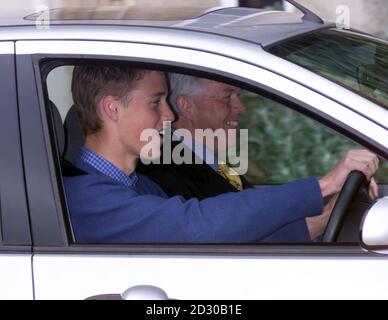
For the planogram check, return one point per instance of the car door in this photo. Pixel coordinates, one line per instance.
(67, 270)
(15, 242)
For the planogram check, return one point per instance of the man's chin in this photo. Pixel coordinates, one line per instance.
(148, 159)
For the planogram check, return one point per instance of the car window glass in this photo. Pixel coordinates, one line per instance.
(58, 86)
(351, 60)
(286, 145)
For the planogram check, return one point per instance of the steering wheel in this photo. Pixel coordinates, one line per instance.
(352, 185)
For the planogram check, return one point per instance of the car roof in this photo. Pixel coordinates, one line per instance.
(260, 26)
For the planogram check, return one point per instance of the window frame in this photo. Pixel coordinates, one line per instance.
(62, 244)
(14, 221)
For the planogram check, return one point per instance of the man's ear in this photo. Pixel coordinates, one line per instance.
(109, 107)
(185, 107)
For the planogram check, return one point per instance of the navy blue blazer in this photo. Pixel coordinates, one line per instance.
(104, 211)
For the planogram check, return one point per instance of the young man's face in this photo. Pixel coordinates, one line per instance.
(147, 109)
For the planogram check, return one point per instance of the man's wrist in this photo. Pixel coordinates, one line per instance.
(325, 187)
(316, 226)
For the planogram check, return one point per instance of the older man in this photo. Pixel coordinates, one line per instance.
(205, 104)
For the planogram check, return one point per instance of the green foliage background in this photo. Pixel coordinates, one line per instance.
(285, 145)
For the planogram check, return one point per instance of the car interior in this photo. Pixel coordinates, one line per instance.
(69, 136)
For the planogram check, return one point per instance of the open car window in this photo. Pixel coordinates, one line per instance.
(282, 144)
(286, 145)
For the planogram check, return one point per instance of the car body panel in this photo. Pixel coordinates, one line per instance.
(16, 276)
(220, 277)
(7, 47)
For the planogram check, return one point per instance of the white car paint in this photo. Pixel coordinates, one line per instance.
(216, 277)
(16, 276)
(7, 47)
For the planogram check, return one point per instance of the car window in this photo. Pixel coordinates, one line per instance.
(285, 145)
(354, 61)
(280, 144)
(58, 86)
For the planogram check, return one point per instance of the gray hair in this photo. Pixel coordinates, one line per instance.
(182, 85)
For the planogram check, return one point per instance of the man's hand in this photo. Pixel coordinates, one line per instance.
(361, 160)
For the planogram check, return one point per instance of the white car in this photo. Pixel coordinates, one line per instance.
(336, 78)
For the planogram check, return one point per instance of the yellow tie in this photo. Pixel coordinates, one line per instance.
(229, 174)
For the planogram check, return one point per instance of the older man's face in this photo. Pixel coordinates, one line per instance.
(217, 106)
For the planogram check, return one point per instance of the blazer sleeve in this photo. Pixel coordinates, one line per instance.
(294, 232)
(103, 211)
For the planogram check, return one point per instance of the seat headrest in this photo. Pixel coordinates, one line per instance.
(58, 127)
(74, 134)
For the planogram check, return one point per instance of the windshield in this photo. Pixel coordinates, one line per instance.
(350, 59)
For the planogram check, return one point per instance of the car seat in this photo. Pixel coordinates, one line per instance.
(69, 138)
(74, 135)
(58, 128)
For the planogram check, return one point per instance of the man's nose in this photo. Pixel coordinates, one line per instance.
(239, 106)
(168, 115)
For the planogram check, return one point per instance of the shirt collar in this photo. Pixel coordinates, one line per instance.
(108, 168)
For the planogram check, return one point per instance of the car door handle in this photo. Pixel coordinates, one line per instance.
(143, 292)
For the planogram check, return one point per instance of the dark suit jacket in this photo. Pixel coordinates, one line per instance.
(189, 180)
(201, 181)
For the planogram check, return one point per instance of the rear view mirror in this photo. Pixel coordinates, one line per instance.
(374, 229)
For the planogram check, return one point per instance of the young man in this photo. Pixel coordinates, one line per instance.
(110, 203)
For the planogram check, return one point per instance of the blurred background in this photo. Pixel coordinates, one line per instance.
(366, 15)
(283, 145)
